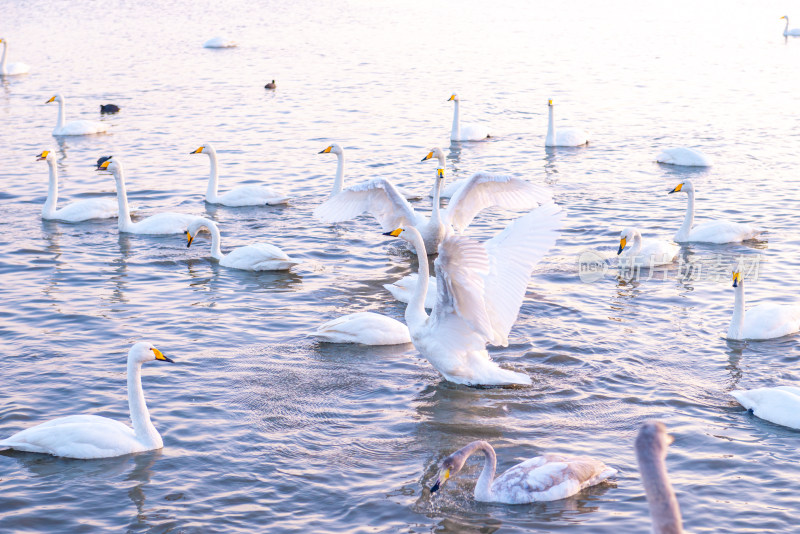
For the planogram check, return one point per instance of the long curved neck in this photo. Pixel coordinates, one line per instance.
(785, 31)
(213, 178)
(338, 183)
(737, 321)
(664, 510)
(688, 220)
(124, 219)
(483, 488)
(456, 129)
(437, 198)
(216, 252)
(551, 127)
(415, 311)
(140, 417)
(5, 49)
(637, 244)
(61, 112)
(52, 190)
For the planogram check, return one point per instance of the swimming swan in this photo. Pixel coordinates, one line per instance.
(74, 127)
(465, 132)
(365, 328)
(779, 405)
(651, 452)
(710, 231)
(654, 252)
(549, 477)
(480, 288)
(258, 257)
(684, 156)
(158, 224)
(220, 42)
(794, 32)
(91, 436)
(563, 136)
(450, 188)
(765, 321)
(80, 210)
(338, 182)
(243, 195)
(11, 69)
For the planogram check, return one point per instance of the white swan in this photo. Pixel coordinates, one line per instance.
(450, 188)
(710, 231)
(80, 210)
(365, 328)
(765, 321)
(563, 136)
(654, 252)
(794, 32)
(403, 289)
(338, 182)
(92, 436)
(258, 257)
(220, 42)
(549, 477)
(480, 288)
(779, 405)
(243, 195)
(465, 132)
(684, 156)
(11, 69)
(80, 127)
(161, 223)
(381, 199)
(651, 453)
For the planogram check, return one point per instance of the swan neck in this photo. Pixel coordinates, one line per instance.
(338, 183)
(437, 197)
(140, 417)
(664, 510)
(551, 127)
(483, 488)
(688, 220)
(637, 244)
(216, 252)
(737, 321)
(785, 31)
(49, 207)
(60, 113)
(415, 311)
(213, 178)
(124, 219)
(3, 59)
(456, 129)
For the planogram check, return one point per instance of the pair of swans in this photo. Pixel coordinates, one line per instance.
(633, 253)
(258, 257)
(765, 321)
(711, 231)
(563, 136)
(80, 127)
(81, 210)
(338, 182)
(11, 69)
(92, 436)
(794, 32)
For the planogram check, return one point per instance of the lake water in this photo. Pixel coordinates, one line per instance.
(266, 430)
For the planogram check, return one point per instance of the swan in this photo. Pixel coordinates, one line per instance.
(710, 231)
(81, 210)
(651, 452)
(765, 321)
(549, 477)
(794, 32)
(11, 69)
(220, 42)
(563, 136)
(779, 405)
(480, 288)
(366, 328)
(684, 156)
(259, 257)
(403, 289)
(243, 195)
(161, 223)
(338, 182)
(91, 436)
(451, 188)
(654, 252)
(382, 200)
(465, 132)
(74, 127)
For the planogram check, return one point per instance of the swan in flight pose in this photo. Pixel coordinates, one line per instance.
(710, 231)
(465, 132)
(80, 210)
(480, 288)
(779, 405)
(563, 136)
(794, 32)
(259, 257)
(243, 195)
(549, 477)
(338, 183)
(449, 189)
(651, 453)
(654, 252)
(220, 42)
(161, 223)
(382, 200)
(80, 127)
(91, 436)
(11, 69)
(366, 328)
(765, 321)
(684, 156)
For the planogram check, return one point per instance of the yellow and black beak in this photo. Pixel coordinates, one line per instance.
(326, 151)
(441, 479)
(452, 97)
(429, 156)
(52, 98)
(189, 239)
(622, 243)
(550, 102)
(677, 188)
(102, 163)
(160, 357)
(737, 278)
(198, 151)
(440, 174)
(43, 155)
(394, 233)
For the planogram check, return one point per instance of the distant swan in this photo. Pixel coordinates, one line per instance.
(710, 231)
(779, 405)
(80, 210)
(80, 127)
(465, 132)
(11, 69)
(765, 321)
(549, 477)
(651, 452)
(653, 252)
(684, 156)
(219, 42)
(365, 328)
(91, 436)
(258, 257)
(242, 195)
(450, 188)
(338, 182)
(563, 136)
(794, 32)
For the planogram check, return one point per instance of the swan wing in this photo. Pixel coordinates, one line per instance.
(378, 196)
(84, 210)
(472, 132)
(366, 328)
(722, 232)
(571, 137)
(163, 223)
(81, 127)
(780, 405)
(258, 257)
(770, 320)
(252, 195)
(13, 69)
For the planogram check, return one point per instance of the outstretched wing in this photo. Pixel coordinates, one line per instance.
(483, 190)
(377, 196)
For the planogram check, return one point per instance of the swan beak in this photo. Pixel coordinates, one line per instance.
(51, 99)
(550, 102)
(737, 277)
(622, 243)
(452, 97)
(189, 239)
(429, 156)
(198, 151)
(677, 188)
(161, 357)
(326, 151)
(394, 233)
(103, 165)
(441, 479)
(42, 156)
(779, 19)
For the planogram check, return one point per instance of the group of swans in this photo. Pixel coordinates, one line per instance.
(11, 69)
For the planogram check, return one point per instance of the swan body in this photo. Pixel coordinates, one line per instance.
(651, 452)
(159, 224)
(765, 321)
(258, 257)
(81, 210)
(338, 182)
(563, 136)
(243, 195)
(81, 127)
(652, 253)
(91, 436)
(794, 32)
(11, 69)
(220, 42)
(403, 289)
(450, 188)
(365, 328)
(465, 132)
(480, 288)
(684, 156)
(779, 405)
(549, 477)
(710, 231)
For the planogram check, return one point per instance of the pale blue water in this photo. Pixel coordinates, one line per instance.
(266, 430)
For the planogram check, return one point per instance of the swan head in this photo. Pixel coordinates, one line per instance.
(207, 148)
(453, 97)
(452, 465)
(684, 187)
(56, 98)
(45, 155)
(145, 352)
(653, 438)
(435, 152)
(626, 236)
(737, 278)
(333, 148)
(782, 18)
(194, 228)
(550, 103)
(107, 163)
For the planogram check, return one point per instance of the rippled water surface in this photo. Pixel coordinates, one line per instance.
(267, 430)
